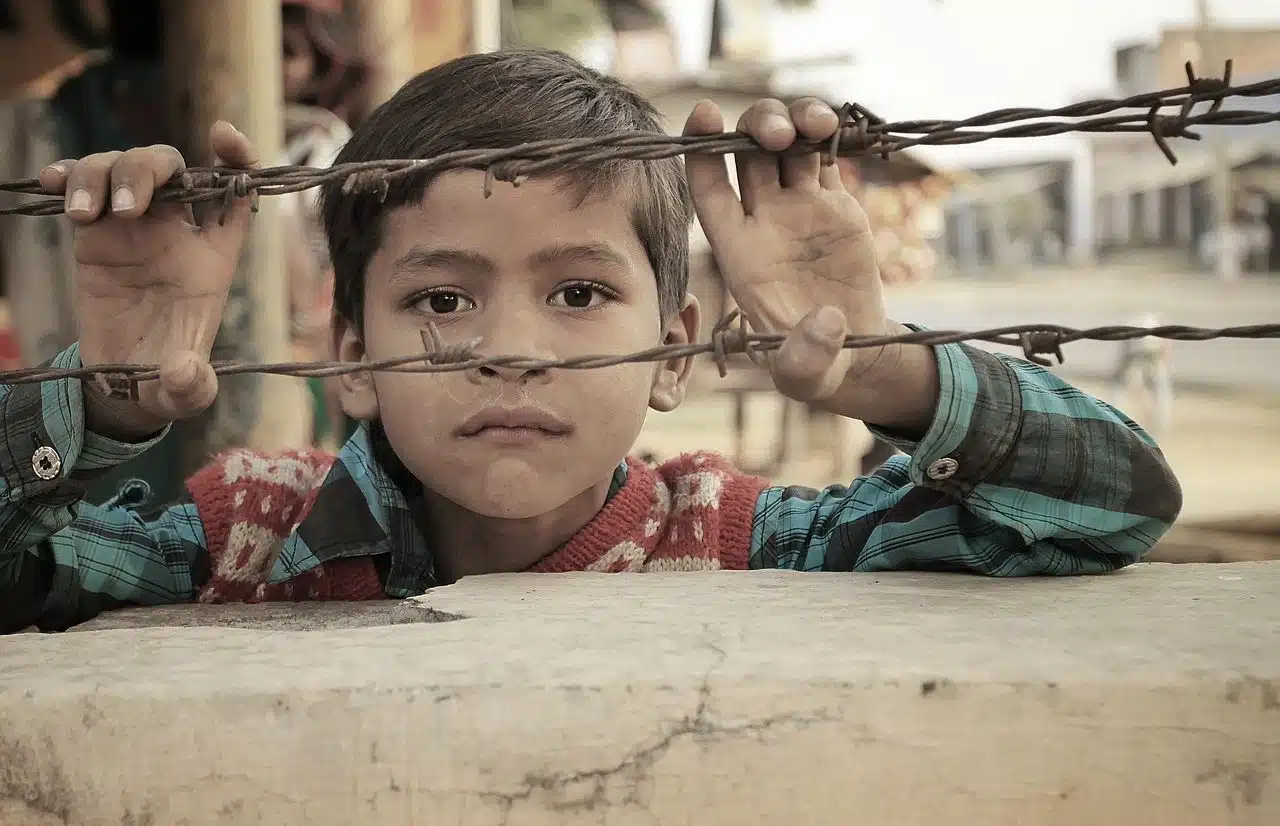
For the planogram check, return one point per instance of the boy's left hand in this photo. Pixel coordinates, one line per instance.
(797, 254)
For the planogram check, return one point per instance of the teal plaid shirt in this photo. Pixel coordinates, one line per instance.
(1043, 480)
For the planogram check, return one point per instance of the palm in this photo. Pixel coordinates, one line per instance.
(157, 284)
(801, 245)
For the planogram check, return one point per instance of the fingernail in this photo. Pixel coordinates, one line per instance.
(777, 123)
(185, 376)
(123, 199)
(80, 201)
(817, 110)
(56, 168)
(828, 322)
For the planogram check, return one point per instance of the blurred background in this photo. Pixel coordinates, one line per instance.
(1074, 229)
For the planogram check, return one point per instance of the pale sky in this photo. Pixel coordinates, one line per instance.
(955, 58)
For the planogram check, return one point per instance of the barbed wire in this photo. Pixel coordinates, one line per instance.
(1035, 340)
(861, 133)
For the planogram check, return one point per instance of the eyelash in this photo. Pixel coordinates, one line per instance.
(417, 298)
(608, 292)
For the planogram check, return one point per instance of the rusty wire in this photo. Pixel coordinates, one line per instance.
(861, 133)
(1035, 340)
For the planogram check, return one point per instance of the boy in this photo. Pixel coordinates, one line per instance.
(1010, 471)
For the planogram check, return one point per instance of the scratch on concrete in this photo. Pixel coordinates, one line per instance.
(1266, 691)
(1241, 782)
(34, 780)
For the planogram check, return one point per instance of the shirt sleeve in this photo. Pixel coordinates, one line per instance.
(1019, 474)
(62, 560)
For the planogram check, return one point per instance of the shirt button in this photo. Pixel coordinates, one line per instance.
(46, 463)
(943, 469)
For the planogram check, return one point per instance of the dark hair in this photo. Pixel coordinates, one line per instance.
(500, 100)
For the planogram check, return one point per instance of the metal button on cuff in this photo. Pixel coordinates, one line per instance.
(46, 463)
(943, 469)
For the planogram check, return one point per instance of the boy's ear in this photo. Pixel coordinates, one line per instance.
(357, 394)
(671, 378)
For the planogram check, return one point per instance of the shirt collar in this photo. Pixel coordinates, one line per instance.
(360, 511)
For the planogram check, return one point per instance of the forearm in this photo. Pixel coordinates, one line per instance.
(1020, 448)
(1018, 474)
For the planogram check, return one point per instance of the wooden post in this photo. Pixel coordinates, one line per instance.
(486, 25)
(223, 62)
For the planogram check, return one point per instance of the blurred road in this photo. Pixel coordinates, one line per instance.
(1090, 299)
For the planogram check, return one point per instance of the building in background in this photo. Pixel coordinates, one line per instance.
(1011, 217)
(1144, 203)
(1115, 197)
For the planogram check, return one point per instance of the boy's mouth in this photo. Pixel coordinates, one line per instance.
(513, 424)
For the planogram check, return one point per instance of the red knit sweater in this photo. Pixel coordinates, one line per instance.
(692, 513)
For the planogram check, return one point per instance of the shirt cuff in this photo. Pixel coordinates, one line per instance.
(975, 427)
(45, 451)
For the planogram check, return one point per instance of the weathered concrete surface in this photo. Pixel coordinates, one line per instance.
(1151, 696)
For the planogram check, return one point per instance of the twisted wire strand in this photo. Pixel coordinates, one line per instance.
(861, 133)
(1037, 341)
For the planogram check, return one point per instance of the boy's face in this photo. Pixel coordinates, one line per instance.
(531, 272)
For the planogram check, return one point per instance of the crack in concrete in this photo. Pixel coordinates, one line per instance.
(634, 768)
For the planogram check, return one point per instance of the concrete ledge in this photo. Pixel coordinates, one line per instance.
(1147, 697)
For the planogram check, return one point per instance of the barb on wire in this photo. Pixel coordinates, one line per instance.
(1035, 340)
(861, 133)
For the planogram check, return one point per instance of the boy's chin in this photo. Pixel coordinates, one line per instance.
(512, 488)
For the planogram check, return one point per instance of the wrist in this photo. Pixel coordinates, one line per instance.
(118, 419)
(895, 387)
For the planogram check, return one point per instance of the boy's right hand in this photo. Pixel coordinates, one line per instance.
(151, 284)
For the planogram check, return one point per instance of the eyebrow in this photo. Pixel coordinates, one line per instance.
(589, 253)
(428, 258)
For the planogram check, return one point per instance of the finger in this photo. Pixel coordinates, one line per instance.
(135, 176)
(767, 122)
(233, 149)
(54, 176)
(714, 200)
(813, 120)
(86, 187)
(806, 365)
(188, 384)
(830, 177)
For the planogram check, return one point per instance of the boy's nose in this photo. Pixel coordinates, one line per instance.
(513, 331)
(515, 375)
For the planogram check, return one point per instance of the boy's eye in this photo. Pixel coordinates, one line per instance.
(580, 296)
(444, 302)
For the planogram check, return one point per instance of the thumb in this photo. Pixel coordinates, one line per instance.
(233, 149)
(188, 385)
(809, 364)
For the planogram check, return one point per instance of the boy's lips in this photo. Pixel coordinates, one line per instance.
(529, 420)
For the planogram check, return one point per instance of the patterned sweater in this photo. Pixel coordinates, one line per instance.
(692, 513)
